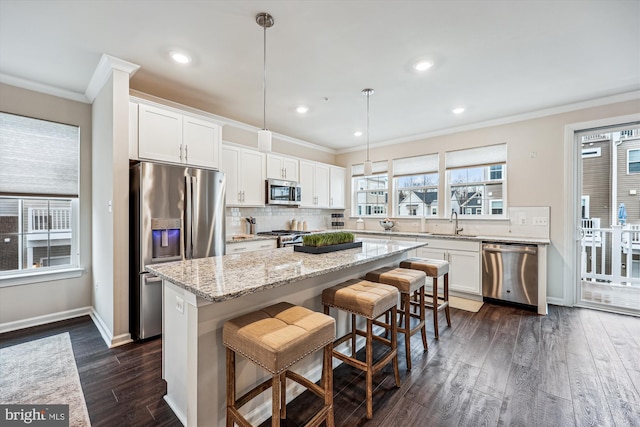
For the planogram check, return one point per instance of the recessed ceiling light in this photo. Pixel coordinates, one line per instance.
(458, 110)
(180, 58)
(357, 133)
(423, 65)
(302, 109)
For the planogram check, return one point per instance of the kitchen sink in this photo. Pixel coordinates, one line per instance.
(453, 236)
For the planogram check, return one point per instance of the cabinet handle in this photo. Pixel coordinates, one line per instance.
(331, 201)
(180, 151)
(283, 173)
(186, 153)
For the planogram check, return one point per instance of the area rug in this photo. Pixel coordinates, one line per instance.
(465, 304)
(43, 372)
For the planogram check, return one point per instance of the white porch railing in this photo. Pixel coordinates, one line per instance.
(48, 219)
(606, 250)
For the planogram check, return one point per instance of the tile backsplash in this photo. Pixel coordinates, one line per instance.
(276, 218)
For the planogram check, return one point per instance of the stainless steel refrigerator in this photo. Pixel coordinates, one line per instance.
(176, 213)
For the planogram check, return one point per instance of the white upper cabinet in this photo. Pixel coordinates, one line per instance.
(282, 167)
(337, 187)
(314, 180)
(201, 142)
(245, 175)
(167, 135)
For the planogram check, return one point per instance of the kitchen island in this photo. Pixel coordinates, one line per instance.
(200, 295)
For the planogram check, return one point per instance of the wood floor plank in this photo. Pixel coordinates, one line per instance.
(554, 374)
(554, 411)
(481, 410)
(493, 374)
(626, 345)
(527, 349)
(573, 331)
(613, 375)
(589, 406)
(521, 395)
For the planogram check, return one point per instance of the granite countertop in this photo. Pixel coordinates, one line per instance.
(248, 238)
(226, 277)
(498, 239)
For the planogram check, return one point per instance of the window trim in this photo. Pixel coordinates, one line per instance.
(45, 275)
(629, 162)
(484, 214)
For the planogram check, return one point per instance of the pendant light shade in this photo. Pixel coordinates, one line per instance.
(368, 165)
(264, 136)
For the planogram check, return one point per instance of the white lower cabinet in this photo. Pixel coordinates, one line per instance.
(254, 245)
(464, 262)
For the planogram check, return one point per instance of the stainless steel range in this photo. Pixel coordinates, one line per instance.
(286, 237)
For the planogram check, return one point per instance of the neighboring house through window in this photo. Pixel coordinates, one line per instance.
(39, 182)
(633, 161)
(370, 193)
(415, 181)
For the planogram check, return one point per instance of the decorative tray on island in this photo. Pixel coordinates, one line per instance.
(323, 243)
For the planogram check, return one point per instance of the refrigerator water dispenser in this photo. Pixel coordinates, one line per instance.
(165, 235)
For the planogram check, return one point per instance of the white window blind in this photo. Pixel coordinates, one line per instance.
(38, 158)
(476, 156)
(378, 168)
(415, 165)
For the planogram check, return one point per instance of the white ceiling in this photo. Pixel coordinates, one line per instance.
(497, 58)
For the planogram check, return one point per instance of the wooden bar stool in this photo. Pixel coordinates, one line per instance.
(434, 268)
(407, 281)
(369, 300)
(275, 338)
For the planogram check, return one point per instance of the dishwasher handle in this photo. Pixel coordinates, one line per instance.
(514, 249)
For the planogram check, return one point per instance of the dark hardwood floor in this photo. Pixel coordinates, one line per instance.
(501, 366)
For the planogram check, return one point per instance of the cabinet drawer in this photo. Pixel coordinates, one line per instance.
(458, 245)
(255, 245)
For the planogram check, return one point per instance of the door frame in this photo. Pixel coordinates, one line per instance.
(572, 205)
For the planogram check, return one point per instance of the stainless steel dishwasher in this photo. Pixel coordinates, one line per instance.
(510, 273)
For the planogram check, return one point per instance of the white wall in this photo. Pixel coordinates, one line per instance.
(110, 209)
(532, 180)
(52, 300)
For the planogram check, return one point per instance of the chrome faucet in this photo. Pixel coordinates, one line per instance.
(456, 229)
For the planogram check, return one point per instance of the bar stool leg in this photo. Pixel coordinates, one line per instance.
(283, 395)
(231, 386)
(435, 307)
(423, 317)
(406, 329)
(394, 344)
(369, 361)
(446, 298)
(275, 401)
(327, 382)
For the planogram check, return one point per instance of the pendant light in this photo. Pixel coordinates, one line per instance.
(264, 136)
(368, 166)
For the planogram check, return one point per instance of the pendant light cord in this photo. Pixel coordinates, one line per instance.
(264, 81)
(368, 126)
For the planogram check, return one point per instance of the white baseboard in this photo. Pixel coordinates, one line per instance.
(42, 320)
(557, 301)
(107, 336)
(176, 411)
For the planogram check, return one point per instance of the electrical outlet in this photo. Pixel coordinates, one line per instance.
(179, 304)
(540, 220)
(522, 219)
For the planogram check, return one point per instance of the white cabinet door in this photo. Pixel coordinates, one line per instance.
(252, 178)
(201, 142)
(464, 271)
(290, 166)
(275, 167)
(431, 253)
(159, 134)
(230, 166)
(307, 172)
(337, 187)
(321, 185)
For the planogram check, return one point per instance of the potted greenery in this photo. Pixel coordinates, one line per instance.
(322, 243)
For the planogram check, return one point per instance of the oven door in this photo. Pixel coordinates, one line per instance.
(282, 192)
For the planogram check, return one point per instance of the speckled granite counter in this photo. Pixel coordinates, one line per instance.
(231, 276)
(500, 239)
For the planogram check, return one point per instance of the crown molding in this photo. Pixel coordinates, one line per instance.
(614, 99)
(43, 88)
(226, 121)
(104, 70)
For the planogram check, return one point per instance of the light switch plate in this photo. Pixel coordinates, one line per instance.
(179, 304)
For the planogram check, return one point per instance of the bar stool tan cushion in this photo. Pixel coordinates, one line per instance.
(432, 267)
(362, 297)
(404, 279)
(278, 336)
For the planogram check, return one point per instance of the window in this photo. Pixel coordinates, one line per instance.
(370, 193)
(39, 171)
(415, 181)
(633, 161)
(476, 180)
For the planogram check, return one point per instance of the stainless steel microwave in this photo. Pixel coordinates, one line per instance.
(281, 192)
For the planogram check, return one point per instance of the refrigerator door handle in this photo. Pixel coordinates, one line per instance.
(188, 242)
(193, 230)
